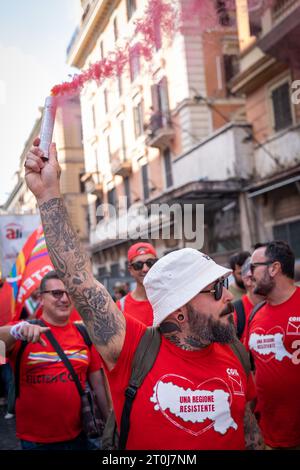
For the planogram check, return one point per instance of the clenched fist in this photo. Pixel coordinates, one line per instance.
(42, 177)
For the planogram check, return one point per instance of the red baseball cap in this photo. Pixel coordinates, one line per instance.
(140, 249)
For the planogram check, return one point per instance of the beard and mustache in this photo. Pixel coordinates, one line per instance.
(264, 286)
(210, 330)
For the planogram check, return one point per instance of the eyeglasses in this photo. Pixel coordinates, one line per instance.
(57, 293)
(217, 289)
(262, 263)
(138, 265)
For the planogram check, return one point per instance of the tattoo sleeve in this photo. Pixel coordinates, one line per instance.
(253, 436)
(106, 325)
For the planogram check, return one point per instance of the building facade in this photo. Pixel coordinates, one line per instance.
(269, 70)
(167, 131)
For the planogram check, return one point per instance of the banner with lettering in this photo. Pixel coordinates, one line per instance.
(14, 231)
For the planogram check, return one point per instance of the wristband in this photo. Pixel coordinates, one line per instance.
(16, 332)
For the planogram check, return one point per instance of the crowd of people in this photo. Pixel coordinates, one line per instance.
(199, 392)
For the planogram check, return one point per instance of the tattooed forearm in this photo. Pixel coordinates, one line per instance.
(253, 436)
(73, 266)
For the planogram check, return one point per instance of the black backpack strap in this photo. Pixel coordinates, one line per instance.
(241, 353)
(255, 310)
(19, 358)
(143, 361)
(18, 367)
(241, 317)
(83, 331)
(56, 346)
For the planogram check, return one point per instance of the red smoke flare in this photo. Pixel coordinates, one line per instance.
(161, 19)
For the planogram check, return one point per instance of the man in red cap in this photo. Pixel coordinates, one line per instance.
(141, 257)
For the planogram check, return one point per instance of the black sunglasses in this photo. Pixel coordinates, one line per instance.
(56, 293)
(217, 289)
(262, 263)
(138, 265)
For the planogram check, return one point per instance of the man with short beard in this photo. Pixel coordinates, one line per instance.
(196, 396)
(274, 341)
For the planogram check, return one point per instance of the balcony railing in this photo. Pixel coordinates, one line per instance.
(226, 154)
(283, 8)
(283, 149)
(93, 183)
(119, 165)
(159, 130)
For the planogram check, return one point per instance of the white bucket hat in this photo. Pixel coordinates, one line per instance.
(177, 277)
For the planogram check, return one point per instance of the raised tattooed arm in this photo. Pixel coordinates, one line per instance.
(253, 436)
(105, 323)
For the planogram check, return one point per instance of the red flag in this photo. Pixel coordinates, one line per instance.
(37, 265)
(6, 312)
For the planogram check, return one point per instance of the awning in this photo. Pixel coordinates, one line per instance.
(273, 186)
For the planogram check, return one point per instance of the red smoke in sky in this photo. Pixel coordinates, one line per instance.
(161, 20)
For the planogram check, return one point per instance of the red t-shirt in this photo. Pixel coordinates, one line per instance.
(274, 341)
(48, 409)
(189, 400)
(141, 310)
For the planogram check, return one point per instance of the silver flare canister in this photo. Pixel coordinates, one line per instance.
(47, 125)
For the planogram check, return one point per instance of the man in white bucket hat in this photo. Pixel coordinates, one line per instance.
(196, 394)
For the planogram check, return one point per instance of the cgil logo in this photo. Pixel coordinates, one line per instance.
(233, 372)
(13, 231)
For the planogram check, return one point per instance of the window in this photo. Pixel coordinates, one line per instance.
(127, 273)
(94, 117)
(157, 36)
(115, 270)
(101, 50)
(127, 191)
(134, 64)
(160, 104)
(290, 233)
(145, 182)
(108, 147)
(111, 197)
(131, 7)
(81, 183)
(222, 12)
(138, 116)
(120, 86)
(123, 140)
(282, 106)
(116, 31)
(105, 100)
(168, 167)
(102, 272)
(99, 215)
(231, 66)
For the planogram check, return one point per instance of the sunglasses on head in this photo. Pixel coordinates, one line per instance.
(138, 265)
(56, 293)
(217, 289)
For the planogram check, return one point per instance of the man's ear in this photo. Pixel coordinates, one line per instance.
(180, 314)
(275, 268)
